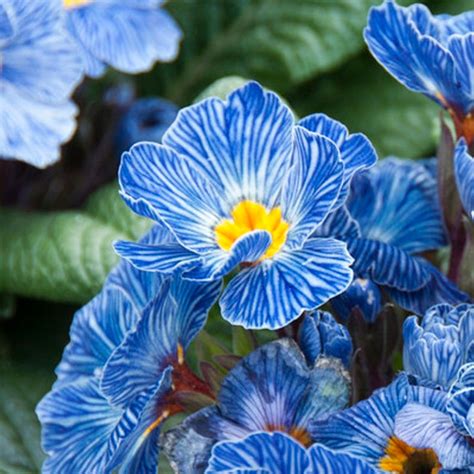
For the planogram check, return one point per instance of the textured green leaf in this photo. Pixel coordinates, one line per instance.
(107, 206)
(367, 99)
(242, 341)
(58, 256)
(277, 42)
(20, 390)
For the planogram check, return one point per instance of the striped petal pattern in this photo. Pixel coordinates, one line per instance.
(461, 400)
(464, 173)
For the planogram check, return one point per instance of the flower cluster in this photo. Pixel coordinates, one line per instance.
(271, 219)
(83, 36)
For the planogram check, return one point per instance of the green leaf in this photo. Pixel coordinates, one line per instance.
(243, 341)
(277, 42)
(221, 88)
(20, 391)
(107, 206)
(367, 99)
(62, 256)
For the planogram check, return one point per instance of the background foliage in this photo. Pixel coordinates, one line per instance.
(310, 51)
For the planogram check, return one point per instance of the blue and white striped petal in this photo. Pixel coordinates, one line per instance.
(130, 37)
(339, 224)
(424, 427)
(416, 59)
(460, 404)
(357, 153)
(172, 319)
(276, 291)
(396, 202)
(242, 145)
(277, 453)
(171, 186)
(464, 173)
(7, 23)
(312, 186)
(97, 329)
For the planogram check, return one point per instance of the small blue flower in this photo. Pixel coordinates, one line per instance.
(146, 120)
(436, 347)
(272, 389)
(461, 401)
(90, 424)
(399, 429)
(396, 213)
(129, 35)
(277, 453)
(428, 54)
(236, 182)
(464, 173)
(320, 334)
(35, 108)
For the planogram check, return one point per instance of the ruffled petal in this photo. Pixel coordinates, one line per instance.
(357, 153)
(242, 145)
(464, 173)
(338, 224)
(312, 186)
(460, 404)
(173, 318)
(189, 205)
(426, 428)
(275, 292)
(130, 38)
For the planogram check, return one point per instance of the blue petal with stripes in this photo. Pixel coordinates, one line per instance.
(129, 36)
(218, 155)
(357, 153)
(425, 52)
(320, 334)
(35, 106)
(277, 453)
(436, 346)
(460, 404)
(172, 319)
(464, 173)
(366, 429)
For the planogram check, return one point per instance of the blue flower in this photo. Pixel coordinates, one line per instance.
(129, 35)
(320, 334)
(460, 404)
(436, 347)
(272, 389)
(37, 114)
(464, 173)
(428, 54)
(90, 425)
(277, 453)
(399, 429)
(145, 120)
(237, 182)
(396, 213)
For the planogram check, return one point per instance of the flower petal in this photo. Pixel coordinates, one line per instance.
(424, 427)
(242, 145)
(464, 173)
(312, 186)
(460, 404)
(339, 224)
(275, 292)
(189, 206)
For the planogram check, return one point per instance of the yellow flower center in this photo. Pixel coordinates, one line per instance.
(69, 4)
(298, 433)
(402, 458)
(248, 216)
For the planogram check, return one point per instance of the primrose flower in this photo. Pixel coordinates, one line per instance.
(236, 182)
(399, 429)
(464, 174)
(437, 346)
(129, 35)
(396, 213)
(461, 401)
(278, 453)
(428, 54)
(273, 390)
(320, 334)
(91, 425)
(36, 112)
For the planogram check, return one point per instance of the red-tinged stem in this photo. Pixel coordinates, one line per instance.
(185, 380)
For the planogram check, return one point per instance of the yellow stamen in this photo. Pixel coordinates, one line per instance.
(180, 352)
(156, 423)
(248, 216)
(401, 458)
(69, 4)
